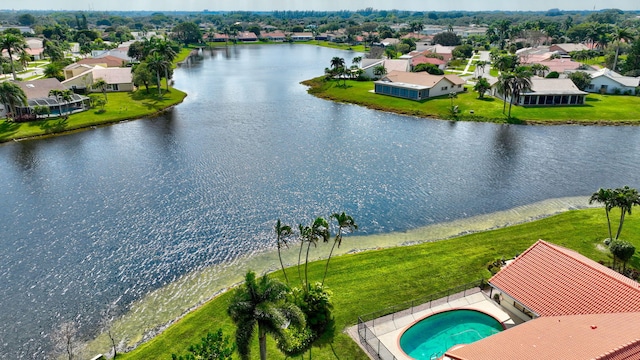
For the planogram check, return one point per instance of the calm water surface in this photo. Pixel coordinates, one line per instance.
(107, 215)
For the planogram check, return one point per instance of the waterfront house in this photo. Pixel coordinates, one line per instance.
(37, 92)
(610, 82)
(117, 79)
(574, 308)
(275, 36)
(550, 92)
(418, 86)
(247, 36)
(302, 36)
(369, 65)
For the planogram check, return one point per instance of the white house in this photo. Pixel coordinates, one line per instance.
(368, 66)
(610, 82)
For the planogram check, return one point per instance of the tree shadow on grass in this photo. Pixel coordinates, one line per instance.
(53, 126)
(7, 129)
(151, 101)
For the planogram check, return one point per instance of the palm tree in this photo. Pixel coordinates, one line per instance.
(57, 94)
(261, 303)
(625, 198)
(12, 43)
(319, 230)
(345, 222)
(539, 69)
(157, 63)
(282, 233)
(102, 86)
(11, 95)
(379, 70)
(356, 60)
(337, 62)
(164, 48)
(504, 88)
(620, 34)
(520, 82)
(481, 86)
(24, 59)
(606, 197)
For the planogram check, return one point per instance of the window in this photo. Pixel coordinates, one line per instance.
(444, 88)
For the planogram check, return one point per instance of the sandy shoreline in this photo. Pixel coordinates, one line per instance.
(163, 307)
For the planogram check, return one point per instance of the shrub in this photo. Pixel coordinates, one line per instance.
(553, 75)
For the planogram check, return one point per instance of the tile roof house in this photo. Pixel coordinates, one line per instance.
(37, 92)
(580, 310)
(566, 48)
(106, 61)
(418, 86)
(610, 82)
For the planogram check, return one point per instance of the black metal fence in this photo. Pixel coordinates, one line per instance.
(367, 336)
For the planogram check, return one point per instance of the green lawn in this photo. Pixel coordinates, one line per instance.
(611, 109)
(120, 106)
(374, 280)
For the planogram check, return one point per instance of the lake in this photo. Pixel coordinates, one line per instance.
(103, 217)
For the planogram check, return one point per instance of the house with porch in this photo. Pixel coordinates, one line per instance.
(418, 86)
(574, 308)
(37, 92)
(552, 92)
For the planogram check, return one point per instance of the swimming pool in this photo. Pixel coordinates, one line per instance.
(430, 337)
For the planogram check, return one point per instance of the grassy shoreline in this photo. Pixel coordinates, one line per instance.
(598, 109)
(120, 107)
(373, 279)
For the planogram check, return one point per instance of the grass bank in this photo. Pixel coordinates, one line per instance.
(373, 280)
(598, 109)
(120, 106)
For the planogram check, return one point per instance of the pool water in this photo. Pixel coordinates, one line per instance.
(432, 336)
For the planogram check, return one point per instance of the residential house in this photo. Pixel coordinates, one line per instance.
(105, 61)
(565, 49)
(610, 82)
(117, 79)
(369, 65)
(218, 38)
(275, 36)
(421, 59)
(120, 53)
(547, 92)
(37, 92)
(390, 42)
(575, 309)
(418, 86)
(247, 36)
(302, 36)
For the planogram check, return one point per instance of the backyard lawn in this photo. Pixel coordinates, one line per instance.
(374, 280)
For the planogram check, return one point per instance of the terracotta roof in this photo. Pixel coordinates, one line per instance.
(109, 60)
(574, 337)
(551, 280)
(421, 59)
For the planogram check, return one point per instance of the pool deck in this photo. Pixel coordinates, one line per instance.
(389, 328)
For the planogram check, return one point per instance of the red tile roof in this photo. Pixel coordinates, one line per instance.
(551, 280)
(574, 337)
(109, 60)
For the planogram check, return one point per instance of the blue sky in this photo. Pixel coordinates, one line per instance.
(266, 5)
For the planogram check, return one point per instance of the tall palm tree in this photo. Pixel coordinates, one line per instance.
(520, 82)
(261, 303)
(625, 198)
(618, 35)
(539, 69)
(606, 197)
(504, 88)
(345, 222)
(12, 43)
(57, 94)
(282, 233)
(310, 235)
(157, 63)
(164, 48)
(11, 95)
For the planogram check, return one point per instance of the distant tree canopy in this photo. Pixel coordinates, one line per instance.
(429, 68)
(447, 38)
(26, 19)
(187, 33)
(581, 79)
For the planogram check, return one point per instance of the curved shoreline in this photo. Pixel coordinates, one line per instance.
(163, 307)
